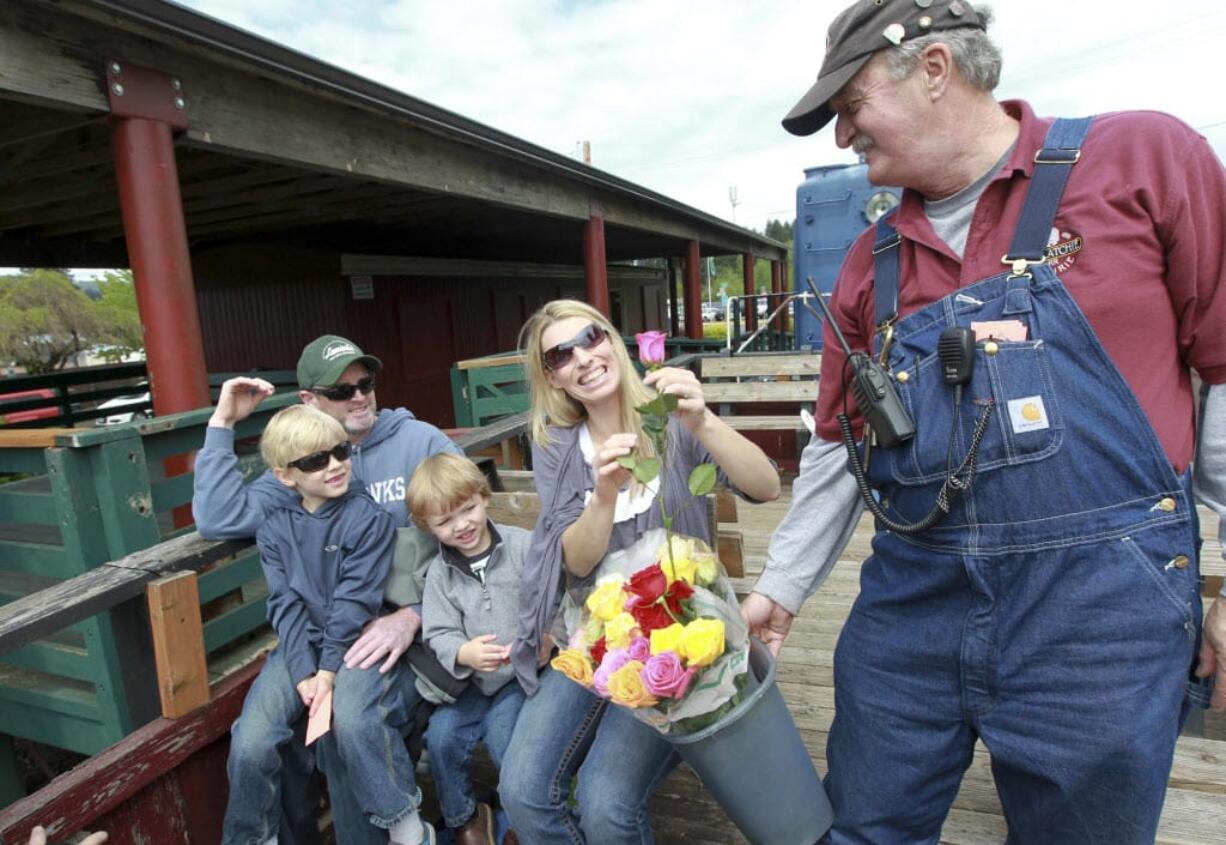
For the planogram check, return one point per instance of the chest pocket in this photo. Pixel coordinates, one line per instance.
(1026, 424)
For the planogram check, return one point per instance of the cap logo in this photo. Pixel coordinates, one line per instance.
(894, 33)
(336, 349)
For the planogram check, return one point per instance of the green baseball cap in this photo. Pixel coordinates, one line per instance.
(325, 358)
(860, 31)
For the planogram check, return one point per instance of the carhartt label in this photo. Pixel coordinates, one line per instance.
(1027, 414)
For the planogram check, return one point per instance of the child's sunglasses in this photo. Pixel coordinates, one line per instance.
(344, 392)
(559, 356)
(316, 461)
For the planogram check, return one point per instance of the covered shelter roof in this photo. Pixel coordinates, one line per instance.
(281, 147)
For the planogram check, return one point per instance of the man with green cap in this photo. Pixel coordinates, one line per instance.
(1033, 583)
(335, 376)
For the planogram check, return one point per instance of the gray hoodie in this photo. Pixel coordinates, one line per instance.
(225, 508)
(458, 607)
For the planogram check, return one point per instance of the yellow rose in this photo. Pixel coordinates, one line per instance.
(665, 639)
(618, 629)
(708, 569)
(682, 568)
(701, 642)
(626, 687)
(575, 665)
(607, 599)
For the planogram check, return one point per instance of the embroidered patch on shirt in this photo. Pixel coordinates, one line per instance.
(1027, 414)
(1062, 249)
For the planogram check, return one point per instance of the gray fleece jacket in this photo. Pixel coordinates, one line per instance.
(457, 607)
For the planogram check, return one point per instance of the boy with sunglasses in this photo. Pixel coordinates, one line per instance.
(326, 557)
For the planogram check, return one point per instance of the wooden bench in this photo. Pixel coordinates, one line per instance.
(760, 379)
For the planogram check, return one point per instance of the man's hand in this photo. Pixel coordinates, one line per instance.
(483, 654)
(385, 636)
(1213, 651)
(38, 836)
(768, 620)
(239, 397)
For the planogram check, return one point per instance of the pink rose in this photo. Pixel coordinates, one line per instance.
(613, 660)
(651, 348)
(664, 677)
(640, 649)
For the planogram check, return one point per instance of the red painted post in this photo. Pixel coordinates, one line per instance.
(157, 252)
(146, 107)
(693, 291)
(595, 268)
(751, 304)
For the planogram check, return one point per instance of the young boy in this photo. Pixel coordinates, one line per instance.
(326, 557)
(469, 612)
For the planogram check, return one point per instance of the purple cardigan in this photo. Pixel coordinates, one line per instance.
(563, 478)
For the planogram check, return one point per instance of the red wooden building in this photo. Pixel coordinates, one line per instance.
(262, 198)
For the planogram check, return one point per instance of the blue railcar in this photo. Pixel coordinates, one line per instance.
(833, 205)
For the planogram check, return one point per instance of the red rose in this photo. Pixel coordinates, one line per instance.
(648, 584)
(651, 617)
(598, 650)
(678, 591)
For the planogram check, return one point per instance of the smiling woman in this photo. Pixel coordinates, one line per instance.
(585, 392)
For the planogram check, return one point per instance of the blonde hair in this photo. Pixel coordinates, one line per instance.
(554, 406)
(296, 432)
(440, 483)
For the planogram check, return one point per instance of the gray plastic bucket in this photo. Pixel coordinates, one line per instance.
(755, 765)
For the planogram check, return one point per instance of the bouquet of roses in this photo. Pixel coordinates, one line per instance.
(665, 638)
(661, 632)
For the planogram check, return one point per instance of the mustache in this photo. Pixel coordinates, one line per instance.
(862, 144)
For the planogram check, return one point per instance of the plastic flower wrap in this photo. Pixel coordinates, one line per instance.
(660, 634)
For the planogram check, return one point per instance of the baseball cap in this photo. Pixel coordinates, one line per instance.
(860, 31)
(326, 357)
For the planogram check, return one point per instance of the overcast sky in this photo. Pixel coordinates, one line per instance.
(686, 97)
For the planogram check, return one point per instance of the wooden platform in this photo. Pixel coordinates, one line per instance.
(1195, 812)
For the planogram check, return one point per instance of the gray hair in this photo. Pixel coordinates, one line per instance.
(977, 58)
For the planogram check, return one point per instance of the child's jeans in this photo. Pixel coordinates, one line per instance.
(367, 738)
(453, 733)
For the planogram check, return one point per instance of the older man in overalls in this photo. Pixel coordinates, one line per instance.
(1053, 609)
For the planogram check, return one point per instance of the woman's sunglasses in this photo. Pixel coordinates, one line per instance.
(344, 392)
(316, 461)
(559, 356)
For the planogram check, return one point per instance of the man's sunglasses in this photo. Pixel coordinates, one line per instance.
(316, 461)
(344, 392)
(559, 356)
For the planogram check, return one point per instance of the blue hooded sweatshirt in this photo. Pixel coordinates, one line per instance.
(325, 573)
(227, 509)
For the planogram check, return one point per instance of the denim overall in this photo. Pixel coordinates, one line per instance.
(1054, 612)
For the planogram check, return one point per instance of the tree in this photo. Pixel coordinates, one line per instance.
(46, 321)
(120, 316)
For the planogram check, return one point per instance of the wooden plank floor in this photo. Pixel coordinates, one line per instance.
(1195, 812)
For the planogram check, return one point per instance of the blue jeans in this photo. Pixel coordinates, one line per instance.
(564, 730)
(453, 733)
(368, 711)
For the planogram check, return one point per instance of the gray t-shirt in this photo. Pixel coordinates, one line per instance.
(951, 217)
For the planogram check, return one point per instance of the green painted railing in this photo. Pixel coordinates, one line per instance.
(86, 497)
